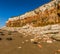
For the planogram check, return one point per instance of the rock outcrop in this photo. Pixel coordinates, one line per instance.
(46, 14)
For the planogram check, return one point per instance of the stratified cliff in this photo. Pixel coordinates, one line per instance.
(46, 14)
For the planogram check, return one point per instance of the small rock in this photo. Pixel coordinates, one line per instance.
(32, 40)
(9, 38)
(26, 40)
(2, 34)
(35, 42)
(40, 46)
(54, 40)
(39, 42)
(0, 38)
(58, 50)
(44, 39)
(22, 42)
(49, 41)
(20, 47)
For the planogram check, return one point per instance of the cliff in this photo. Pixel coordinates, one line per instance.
(44, 15)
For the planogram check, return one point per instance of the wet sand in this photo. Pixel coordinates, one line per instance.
(20, 45)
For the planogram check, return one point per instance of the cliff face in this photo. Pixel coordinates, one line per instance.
(47, 14)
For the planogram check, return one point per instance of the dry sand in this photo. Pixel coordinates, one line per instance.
(22, 45)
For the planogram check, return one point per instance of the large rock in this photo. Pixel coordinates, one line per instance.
(56, 37)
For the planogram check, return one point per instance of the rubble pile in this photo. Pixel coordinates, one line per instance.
(46, 34)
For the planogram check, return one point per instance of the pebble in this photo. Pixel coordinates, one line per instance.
(44, 39)
(9, 38)
(40, 46)
(22, 42)
(58, 50)
(54, 40)
(49, 41)
(32, 40)
(20, 47)
(26, 40)
(0, 38)
(35, 42)
(39, 42)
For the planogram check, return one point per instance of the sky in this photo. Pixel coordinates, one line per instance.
(9, 8)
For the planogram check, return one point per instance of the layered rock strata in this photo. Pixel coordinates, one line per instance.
(44, 15)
